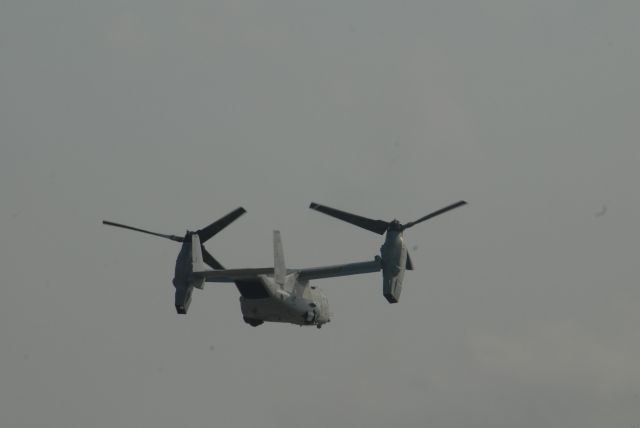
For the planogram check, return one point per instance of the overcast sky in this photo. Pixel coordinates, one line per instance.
(522, 310)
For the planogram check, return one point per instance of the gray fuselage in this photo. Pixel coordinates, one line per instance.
(293, 302)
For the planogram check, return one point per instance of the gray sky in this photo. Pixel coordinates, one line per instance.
(523, 308)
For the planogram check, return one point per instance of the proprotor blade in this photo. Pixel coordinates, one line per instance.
(206, 233)
(375, 226)
(435, 213)
(208, 259)
(172, 237)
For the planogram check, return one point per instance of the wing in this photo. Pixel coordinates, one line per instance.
(340, 270)
(233, 275)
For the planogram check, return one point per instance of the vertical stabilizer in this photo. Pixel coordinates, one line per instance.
(280, 271)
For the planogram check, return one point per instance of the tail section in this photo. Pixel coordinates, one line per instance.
(280, 270)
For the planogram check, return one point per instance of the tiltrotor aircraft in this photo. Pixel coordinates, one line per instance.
(278, 294)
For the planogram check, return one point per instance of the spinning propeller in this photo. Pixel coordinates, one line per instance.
(205, 234)
(380, 226)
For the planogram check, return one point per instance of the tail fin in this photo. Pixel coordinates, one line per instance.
(197, 263)
(280, 270)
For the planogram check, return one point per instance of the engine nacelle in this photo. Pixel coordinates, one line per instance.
(392, 287)
(394, 261)
(183, 299)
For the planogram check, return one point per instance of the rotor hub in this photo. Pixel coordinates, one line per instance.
(395, 225)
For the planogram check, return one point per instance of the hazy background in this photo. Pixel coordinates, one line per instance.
(523, 310)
